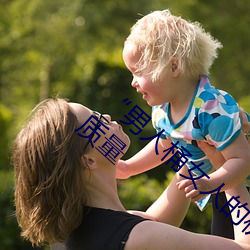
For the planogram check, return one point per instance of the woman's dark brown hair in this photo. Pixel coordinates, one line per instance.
(49, 182)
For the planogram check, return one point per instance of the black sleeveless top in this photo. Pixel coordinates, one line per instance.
(102, 229)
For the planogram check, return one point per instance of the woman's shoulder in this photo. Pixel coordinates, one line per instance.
(110, 227)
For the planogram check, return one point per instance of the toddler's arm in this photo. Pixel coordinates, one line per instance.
(144, 160)
(237, 166)
(234, 171)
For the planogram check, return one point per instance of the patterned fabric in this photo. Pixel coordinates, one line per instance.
(213, 115)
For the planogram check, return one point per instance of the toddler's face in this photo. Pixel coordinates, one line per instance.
(152, 92)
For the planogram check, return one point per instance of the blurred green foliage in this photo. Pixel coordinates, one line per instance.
(139, 192)
(73, 48)
(9, 231)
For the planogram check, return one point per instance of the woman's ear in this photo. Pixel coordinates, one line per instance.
(89, 161)
(175, 66)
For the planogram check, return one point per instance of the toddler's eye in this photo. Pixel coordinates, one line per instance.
(138, 73)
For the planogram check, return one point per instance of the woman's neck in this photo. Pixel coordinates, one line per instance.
(102, 189)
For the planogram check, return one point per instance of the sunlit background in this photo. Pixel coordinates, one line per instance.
(72, 48)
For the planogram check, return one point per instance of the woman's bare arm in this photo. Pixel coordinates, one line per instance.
(160, 236)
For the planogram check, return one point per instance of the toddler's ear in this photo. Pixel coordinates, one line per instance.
(175, 66)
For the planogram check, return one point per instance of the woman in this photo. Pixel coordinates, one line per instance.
(65, 190)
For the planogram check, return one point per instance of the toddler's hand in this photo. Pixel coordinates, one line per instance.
(194, 194)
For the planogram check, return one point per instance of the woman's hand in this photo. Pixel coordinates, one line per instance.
(245, 124)
(214, 156)
(216, 159)
(122, 170)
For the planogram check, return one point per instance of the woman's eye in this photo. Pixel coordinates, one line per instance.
(105, 121)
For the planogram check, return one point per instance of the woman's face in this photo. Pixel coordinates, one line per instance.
(108, 133)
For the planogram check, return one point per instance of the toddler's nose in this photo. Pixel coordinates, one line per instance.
(134, 83)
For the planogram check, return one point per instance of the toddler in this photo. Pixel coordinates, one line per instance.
(170, 59)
